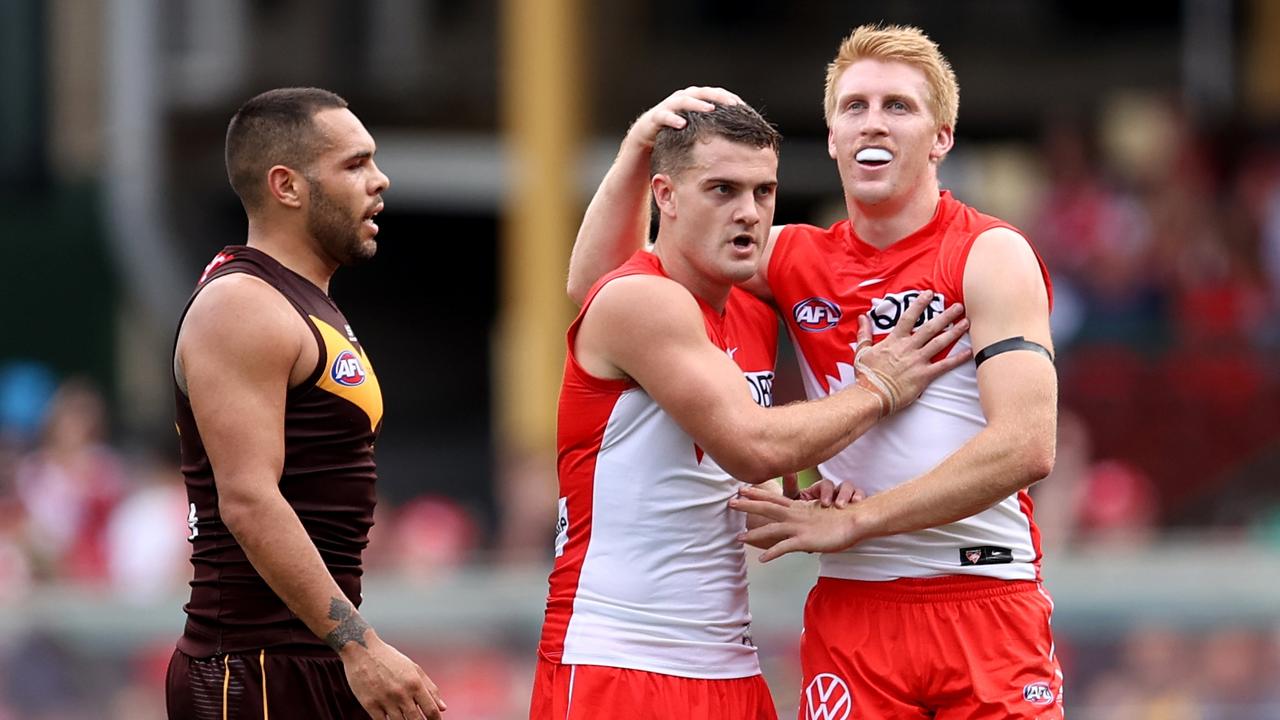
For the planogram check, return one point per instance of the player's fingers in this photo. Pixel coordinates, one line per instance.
(425, 706)
(912, 314)
(760, 508)
(374, 708)
(779, 549)
(400, 713)
(939, 323)
(952, 361)
(763, 536)
(864, 332)
(717, 95)
(752, 492)
(826, 492)
(858, 496)
(790, 485)
(946, 338)
(845, 494)
(664, 117)
(433, 690)
(688, 103)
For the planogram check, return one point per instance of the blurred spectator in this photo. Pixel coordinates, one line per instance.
(431, 536)
(1232, 685)
(145, 536)
(1269, 232)
(526, 495)
(1090, 500)
(69, 484)
(1095, 239)
(1118, 504)
(15, 568)
(41, 679)
(485, 682)
(1152, 682)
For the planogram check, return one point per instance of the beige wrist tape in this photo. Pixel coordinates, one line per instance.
(882, 386)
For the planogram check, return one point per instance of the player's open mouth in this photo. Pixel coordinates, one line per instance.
(743, 241)
(873, 157)
(368, 219)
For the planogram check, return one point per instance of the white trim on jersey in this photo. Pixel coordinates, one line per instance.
(663, 584)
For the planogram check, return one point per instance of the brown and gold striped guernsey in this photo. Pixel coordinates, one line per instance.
(331, 421)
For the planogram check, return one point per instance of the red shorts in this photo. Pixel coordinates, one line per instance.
(595, 692)
(946, 648)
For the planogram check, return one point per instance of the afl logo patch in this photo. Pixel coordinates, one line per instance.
(347, 369)
(816, 314)
(1038, 693)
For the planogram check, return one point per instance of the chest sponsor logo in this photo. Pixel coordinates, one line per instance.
(562, 526)
(816, 314)
(347, 369)
(885, 311)
(827, 698)
(1038, 693)
(761, 387)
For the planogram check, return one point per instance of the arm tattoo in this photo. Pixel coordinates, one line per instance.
(350, 627)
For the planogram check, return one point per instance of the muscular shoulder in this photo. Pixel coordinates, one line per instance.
(1006, 289)
(632, 320)
(1001, 260)
(642, 301)
(239, 318)
(242, 304)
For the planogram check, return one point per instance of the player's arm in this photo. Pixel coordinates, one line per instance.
(651, 329)
(236, 352)
(1006, 298)
(616, 223)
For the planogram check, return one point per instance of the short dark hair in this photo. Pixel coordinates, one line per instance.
(274, 128)
(673, 149)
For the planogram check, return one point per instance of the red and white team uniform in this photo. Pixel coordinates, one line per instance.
(822, 280)
(649, 587)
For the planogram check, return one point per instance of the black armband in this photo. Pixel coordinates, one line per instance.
(1008, 345)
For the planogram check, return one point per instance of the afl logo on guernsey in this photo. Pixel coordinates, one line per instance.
(816, 314)
(347, 369)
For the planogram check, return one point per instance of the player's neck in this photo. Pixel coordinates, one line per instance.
(298, 253)
(883, 224)
(713, 291)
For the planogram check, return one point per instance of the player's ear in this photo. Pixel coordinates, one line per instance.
(664, 194)
(285, 185)
(942, 143)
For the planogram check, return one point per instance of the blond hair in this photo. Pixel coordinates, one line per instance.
(904, 44)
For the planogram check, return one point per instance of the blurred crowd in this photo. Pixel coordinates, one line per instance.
(1164, 244)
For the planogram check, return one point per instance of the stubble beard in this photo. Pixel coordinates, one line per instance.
(332, 227)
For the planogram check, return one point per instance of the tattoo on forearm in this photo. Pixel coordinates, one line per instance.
(350, 627)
